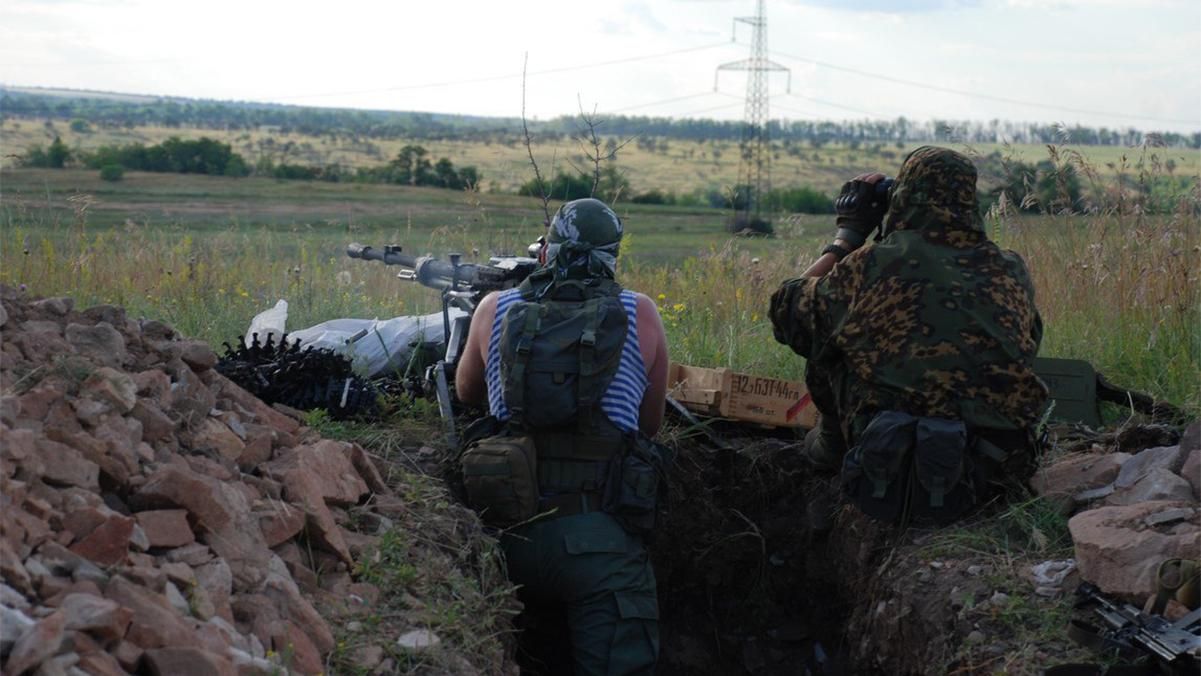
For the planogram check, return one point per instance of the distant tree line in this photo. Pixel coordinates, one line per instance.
(412, 165)
(226, 115)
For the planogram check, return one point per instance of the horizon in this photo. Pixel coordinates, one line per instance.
(1068, 62)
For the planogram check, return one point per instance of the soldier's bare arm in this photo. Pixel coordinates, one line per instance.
(469, 377)
(653, 344)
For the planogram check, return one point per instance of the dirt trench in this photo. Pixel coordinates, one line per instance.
(749, 579)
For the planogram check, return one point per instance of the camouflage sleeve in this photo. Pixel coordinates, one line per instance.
(791, 314)
(805, 310)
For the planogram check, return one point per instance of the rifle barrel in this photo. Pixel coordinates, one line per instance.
(385, 255)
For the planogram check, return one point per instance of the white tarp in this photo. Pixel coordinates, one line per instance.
(373, 345)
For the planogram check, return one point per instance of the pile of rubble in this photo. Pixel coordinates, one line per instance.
(155, 517)
(1133, 510)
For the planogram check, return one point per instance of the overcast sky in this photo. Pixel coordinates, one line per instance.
(1116, 63)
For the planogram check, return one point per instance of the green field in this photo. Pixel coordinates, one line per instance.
(677, 166)
(207, 253)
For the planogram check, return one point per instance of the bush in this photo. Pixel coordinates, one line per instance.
(112, 172)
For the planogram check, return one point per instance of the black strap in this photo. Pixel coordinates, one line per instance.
(533, 321)
(838, 251)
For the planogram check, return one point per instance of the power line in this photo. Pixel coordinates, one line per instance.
(831, 104)
(659, 103)
(963, 92)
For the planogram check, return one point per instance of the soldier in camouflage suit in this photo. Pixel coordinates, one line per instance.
(933, 319)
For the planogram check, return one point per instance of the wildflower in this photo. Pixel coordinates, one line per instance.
(678, 307)
(662, 296)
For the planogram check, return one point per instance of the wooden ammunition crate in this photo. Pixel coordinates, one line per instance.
(740, 396)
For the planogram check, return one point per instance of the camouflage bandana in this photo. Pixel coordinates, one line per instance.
(583, 240)
(935, 189)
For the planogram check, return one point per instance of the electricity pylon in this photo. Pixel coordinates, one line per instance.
(754, 169)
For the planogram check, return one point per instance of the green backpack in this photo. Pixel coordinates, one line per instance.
(560, 347)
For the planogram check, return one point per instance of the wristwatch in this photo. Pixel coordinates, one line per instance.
(838, 251)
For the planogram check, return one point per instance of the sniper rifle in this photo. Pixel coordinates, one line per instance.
(463, 286)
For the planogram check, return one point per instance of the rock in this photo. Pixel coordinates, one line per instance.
(100, 664)
(1191, 471)
(187, 661)
(976, 637)
(166, 527)
(194, 554)
(1167, 458)
(306, 659)
(214, 436)
(101, 343)
(221, 509)
(367, 657)
(1157, 484)
(41, 348)
(302, 488)
(418, 639)
(13, 625)
(154, 385)
(1118, 553)
(128, 655)
(999, 599)
(112, 314)
(1191, 439)
(38, 644)
(3, 316)
(283, 592)
(1170, 516)
(113, 387)
(37, 401)
(261, 412)
(55, 307)
(279, 522)
(154, 623)
(102, 617)
(328, 465)
(108, 544)
(191, 398)
(197, 354)
(156, 425)
(217, 581)
(1078, 472)
(65, 466)
(260, 440)
(366, 468)
(975, 570)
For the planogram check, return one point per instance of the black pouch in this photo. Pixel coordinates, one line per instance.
(875, 471)
(942, 489)
(637, 484)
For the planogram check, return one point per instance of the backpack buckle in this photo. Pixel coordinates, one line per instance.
(588, 338)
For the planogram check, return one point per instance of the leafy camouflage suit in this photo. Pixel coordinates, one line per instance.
(933, 320)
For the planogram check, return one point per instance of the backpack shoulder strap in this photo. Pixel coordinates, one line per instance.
(521, 359)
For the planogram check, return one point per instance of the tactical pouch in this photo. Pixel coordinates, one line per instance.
(875, 471)
(942, 488)
(637, 484)
(911, 469)
(500, 478)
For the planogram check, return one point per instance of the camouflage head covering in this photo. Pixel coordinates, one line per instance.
(935, 189)
(584, 239)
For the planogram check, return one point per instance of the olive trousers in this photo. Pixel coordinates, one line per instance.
(600, 577)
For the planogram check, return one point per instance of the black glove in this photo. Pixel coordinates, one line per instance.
(860, 208)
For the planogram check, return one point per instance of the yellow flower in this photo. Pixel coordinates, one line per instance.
(678, 307)
(662, 296)
(754, 316)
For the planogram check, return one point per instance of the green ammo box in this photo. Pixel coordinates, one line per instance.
(1073, 385)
